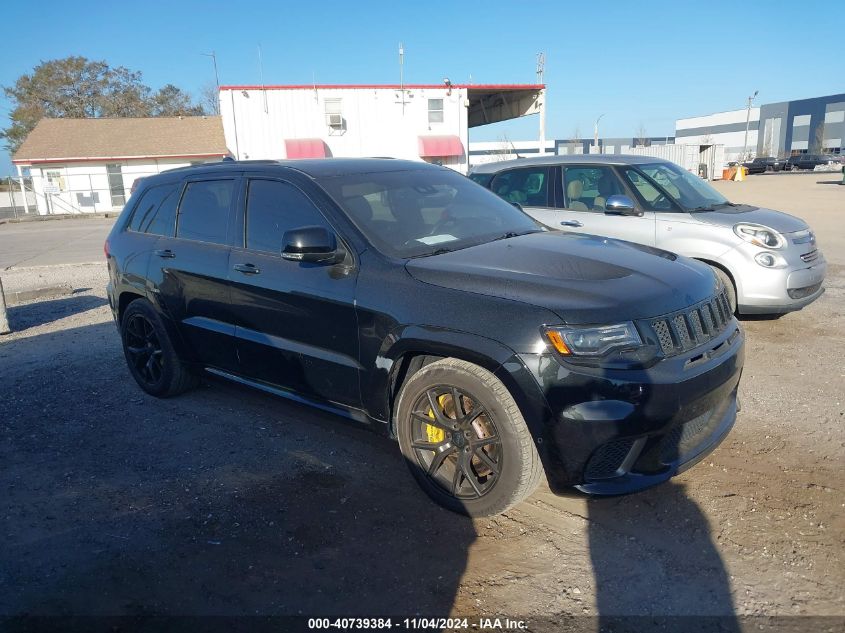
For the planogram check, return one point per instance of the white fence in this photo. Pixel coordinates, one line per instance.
(705, 160)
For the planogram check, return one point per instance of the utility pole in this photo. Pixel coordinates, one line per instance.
(541, 65)
(596, 133)
(747, 121)
(213, 57)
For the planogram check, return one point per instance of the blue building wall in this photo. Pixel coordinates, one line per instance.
(803, 126)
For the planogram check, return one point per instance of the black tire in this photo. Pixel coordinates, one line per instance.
(729, 286)
(501, 473)
(149, 354)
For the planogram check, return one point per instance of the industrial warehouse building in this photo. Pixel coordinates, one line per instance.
(781, 129)
(428, 122)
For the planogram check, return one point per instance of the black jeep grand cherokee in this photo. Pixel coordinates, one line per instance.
(406, 297)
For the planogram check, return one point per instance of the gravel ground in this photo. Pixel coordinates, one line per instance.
(227, 501)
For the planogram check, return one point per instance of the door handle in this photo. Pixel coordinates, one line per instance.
(247, 269)
(571, 223)
(166, 253)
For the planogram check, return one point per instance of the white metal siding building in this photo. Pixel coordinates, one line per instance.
(721, 128)
(414, 121)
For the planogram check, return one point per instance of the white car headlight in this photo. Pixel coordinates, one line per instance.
(759, 235)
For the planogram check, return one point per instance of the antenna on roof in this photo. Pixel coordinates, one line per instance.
(261, 76)
(402, 75)
(541, 98)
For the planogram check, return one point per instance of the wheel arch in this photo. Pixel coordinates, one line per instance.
(722, 267)
(417, 347)
(126, 297)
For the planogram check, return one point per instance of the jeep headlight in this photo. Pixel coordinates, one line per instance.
(759, 235)
(594, 340)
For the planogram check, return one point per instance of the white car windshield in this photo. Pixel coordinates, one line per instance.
(687, 190)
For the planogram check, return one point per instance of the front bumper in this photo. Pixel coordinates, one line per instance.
(619, 431)
(777, 290)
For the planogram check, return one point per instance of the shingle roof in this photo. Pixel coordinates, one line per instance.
(64, 139)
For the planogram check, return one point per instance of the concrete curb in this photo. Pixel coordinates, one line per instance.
(66, 216)
(22, 296)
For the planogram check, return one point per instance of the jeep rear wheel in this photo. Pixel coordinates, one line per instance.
(149, 353)
(465, 440)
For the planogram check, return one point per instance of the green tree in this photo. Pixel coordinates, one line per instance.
(76, 87)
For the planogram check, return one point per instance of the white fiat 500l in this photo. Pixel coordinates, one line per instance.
(767, 259)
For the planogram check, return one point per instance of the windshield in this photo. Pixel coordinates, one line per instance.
(686, 189)
(422, 212)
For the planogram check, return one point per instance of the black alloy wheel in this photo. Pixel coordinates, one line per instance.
(464, 438)
(456, 442)
(143, 349)
(152, 361)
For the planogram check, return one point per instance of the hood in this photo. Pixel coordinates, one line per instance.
(581, 278)
(728, 216)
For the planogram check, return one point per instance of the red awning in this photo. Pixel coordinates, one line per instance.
(436, 146)
(305, 148)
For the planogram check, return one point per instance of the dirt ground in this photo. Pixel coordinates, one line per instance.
(228, 502)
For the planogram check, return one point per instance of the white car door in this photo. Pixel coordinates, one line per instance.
(587, 189)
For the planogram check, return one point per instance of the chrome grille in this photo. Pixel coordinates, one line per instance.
(812, 256)
(663, 335)
(683, 333)
(687, 329)
(695, 323)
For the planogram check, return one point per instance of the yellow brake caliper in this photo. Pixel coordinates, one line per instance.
(435, 434)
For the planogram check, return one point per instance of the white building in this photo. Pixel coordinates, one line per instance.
(414, 121)
(89, 165)
(721, 128)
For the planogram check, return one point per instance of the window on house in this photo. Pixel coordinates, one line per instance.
(55, 180)
(435, 110)
(116, 187)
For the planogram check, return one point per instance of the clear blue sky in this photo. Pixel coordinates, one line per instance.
(635, 62)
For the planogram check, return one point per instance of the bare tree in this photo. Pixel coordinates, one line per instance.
(210, 99)
(818, 140)
(642, 136)
(507, 148)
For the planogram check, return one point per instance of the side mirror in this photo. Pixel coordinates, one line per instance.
(620, 205)
(314, 244)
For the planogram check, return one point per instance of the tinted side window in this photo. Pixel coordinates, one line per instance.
(204, 211)
(274, 207)
(528, 186)
(481, 179)
(156, 211)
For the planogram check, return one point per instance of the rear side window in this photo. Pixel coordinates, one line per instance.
(274, 207)
(155, 212)
(481, 179)
(528, 186)
(204, 211)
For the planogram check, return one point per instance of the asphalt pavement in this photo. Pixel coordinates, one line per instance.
(52, 242)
